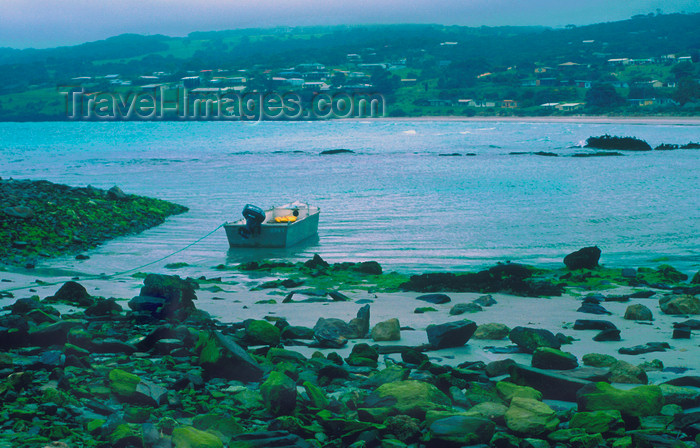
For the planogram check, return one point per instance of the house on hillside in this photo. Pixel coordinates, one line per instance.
(568, 107)
(583, 84)
(191, 82)
(439, 102)
(618, 61)
(508, 104)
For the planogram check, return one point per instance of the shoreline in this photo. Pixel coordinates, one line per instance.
(587, 119)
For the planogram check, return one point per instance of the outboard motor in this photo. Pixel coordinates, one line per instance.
(254, 216)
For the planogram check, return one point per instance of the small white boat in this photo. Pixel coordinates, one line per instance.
(281, 226)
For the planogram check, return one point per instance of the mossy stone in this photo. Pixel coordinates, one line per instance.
(607, 422)
(598, 360)
(279, 393)
(316, 395)
(126, 436)
(551, 358)
(462, 430)
(530, 417)
(123, 383)
(261, 332)
(190, 437)
(508, 391)
(414, 397)
(639, 401)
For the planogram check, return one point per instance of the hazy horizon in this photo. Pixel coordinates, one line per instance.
(45, 24)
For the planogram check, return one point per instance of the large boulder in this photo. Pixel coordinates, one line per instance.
(586, 258)
(451, 334)
(680, 304)
(529, 339)
(413, 397)
(388, 330)
(332, 332)
(641, 401)
(165, 297)
(491, 331)
(73, 293)
(261, 332)
(221, 357)
(462, 430)
(638, 312)
(553, 385)
(529, 417)
(279, 393)
(360, 324)
(624, 372)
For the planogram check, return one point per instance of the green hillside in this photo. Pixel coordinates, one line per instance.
(647, 65)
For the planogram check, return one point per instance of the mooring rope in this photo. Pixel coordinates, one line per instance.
(116, 274)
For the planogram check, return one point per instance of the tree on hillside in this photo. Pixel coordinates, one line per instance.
(687, 91)
(603, 96)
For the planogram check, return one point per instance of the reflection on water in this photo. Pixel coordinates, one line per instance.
(300, 250)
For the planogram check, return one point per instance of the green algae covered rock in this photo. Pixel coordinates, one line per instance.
(127, 435)
(462, 430)
(640, 401)
(552, 358)
(221, 357)
(530, 417)
(279, 393)
(598, 360)
(413, 397)
(189, 437)
(262, 332)
(123, 383)
(316, 395)
(508, 391)
(599, 422)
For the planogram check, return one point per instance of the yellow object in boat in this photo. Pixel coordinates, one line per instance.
(290, 218)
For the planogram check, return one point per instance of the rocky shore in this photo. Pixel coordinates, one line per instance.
(40, 219)
(546, 358)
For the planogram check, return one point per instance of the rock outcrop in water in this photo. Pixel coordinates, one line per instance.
(618, 143)
(40, 219)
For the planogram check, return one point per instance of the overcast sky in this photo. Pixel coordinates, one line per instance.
(49, 23)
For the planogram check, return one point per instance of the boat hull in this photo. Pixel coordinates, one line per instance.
(275, 234)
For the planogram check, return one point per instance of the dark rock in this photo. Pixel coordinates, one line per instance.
(360, 324)
(461, 430)
(553, 385)
(587, 324)
(332, 333)
(452, 334)
(619, 143)
(647, 348)
(498, 368)
(592, 308)
(297, 332)
(14, 331)
(436, 299)
(104, 307)
(180, 333)
(178, 295)
(53, 334)
(586, 258)
(609, 334)
(221, 357)
(363, 355)
(411, 356)
(74, 293)
(51, 359)
(529, 339)
(681, 333)
(368, 267)
(693, 324)
(684, 381)
(338, 296)
(110, 345)
(486, 300)
(642, 294)
(337, 151)
(147, 304)
(553, 359)
(316, 263)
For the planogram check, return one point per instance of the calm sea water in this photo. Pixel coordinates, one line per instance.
(394, 200)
